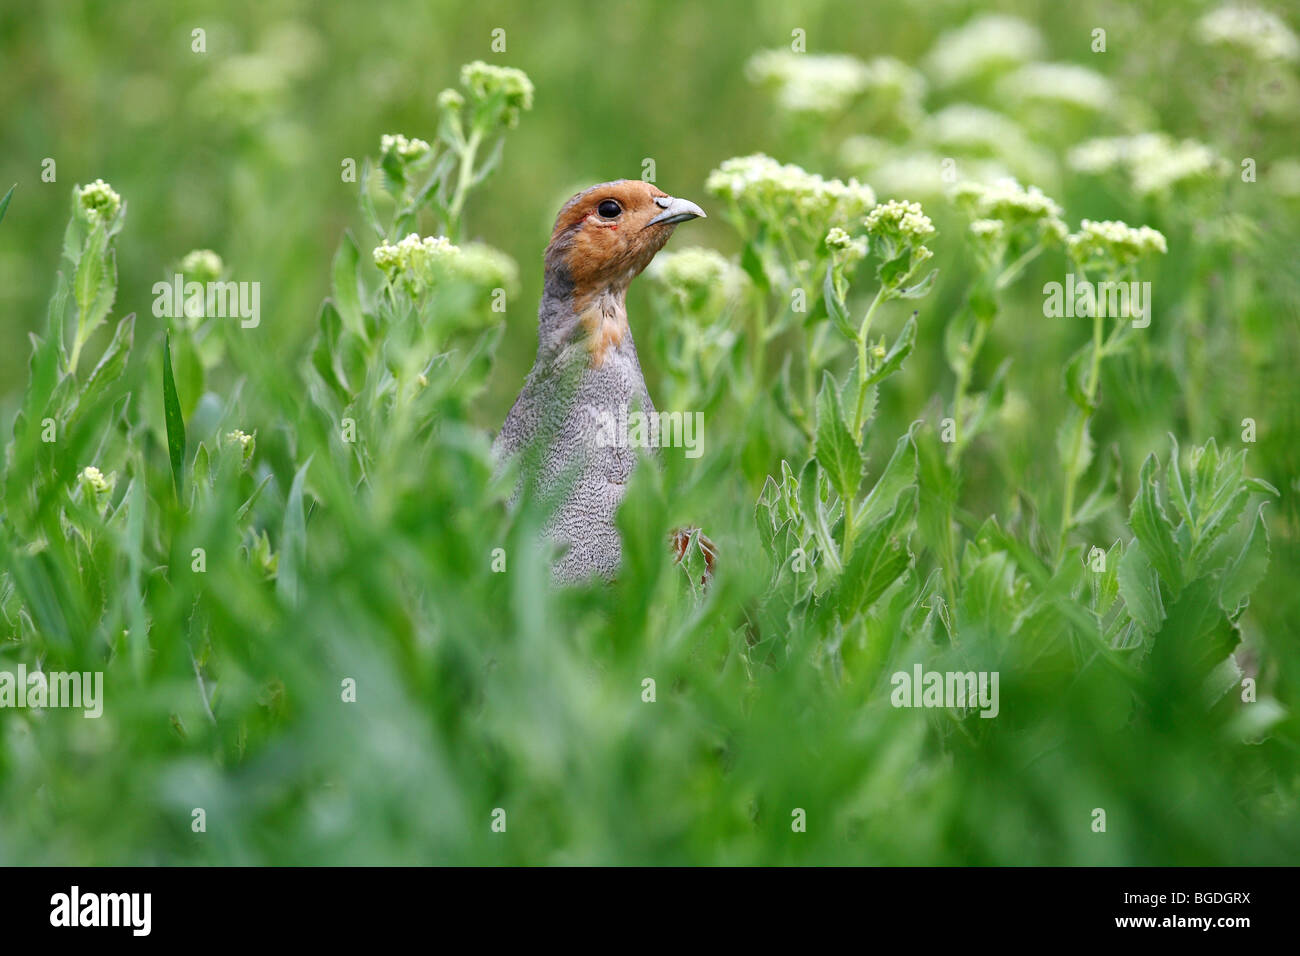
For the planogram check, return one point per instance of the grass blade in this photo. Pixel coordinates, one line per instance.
(172, 412)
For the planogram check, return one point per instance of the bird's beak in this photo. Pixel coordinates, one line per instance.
(676, 210)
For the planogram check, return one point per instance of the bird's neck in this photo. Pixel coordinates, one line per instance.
(587, 323)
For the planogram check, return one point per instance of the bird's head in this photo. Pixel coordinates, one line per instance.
(604, 236)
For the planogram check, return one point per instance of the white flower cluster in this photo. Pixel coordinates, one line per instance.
(420, 260)
(828, 83)
(485, 267)
(1258, 32)
(988, 229)
(1058, 83)
(983, 45)
(202, 265)
(401, 146)
(846, 249)
(97, 488)
(764, 188)
(1155, 162)
(1113, 240)
(969, 128)
(904, 220)
(95, 480)
(860, 151)
(919, 173)
(247, 444)
(889, 76)
(1103, 153)
(1006, 200)
(412, 254)
(695, 273)
(99, 201)
(808, 83)
(485, 81)
(450, 99)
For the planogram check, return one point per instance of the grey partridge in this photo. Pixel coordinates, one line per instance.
(587, 370)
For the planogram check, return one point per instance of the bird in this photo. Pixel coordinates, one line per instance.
(586, 370)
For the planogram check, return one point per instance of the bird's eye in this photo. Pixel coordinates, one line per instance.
(609, 209)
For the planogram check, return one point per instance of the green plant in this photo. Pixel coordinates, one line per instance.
(321, 619)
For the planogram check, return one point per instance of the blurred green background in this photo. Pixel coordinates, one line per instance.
(239, 149)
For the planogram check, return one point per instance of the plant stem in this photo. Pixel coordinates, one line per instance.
(847, 550)
(1009, 274)
(760, 341)
(75, 356)
(463, 182)
(863, 332)
(973, 348)
(1080, 429)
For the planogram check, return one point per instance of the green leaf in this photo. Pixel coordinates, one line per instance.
(394, 173)
(200, 473)
(4, 203)
(752, 263)
(1262, 486)
(1140, 589)
(835, 307)
(1065, 437)
(1247, 570)
(1195, 637)
(893, 270)
(1103, 497)
(252, 499)
(817, 517)
(694, 564)
(346, 286)
(897, 353)
(984, 405)
(490, 164)
(110, 367)
(1105, 584)
(920, 289)
(836, 451)
(986, 606)
(765, 513)
(1075, 371)
(1221, 502)
(367, 202)
(783, 394)
(172, 414)
(95, 283)
(983, 304)
(57, 314)
(879, 557)
(1178, 497)
(956, 338)
(293, 540)
(1222, 680)
(1149, 522)
(789, 498)
(899, 472)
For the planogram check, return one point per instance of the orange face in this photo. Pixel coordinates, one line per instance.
(606, 235)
